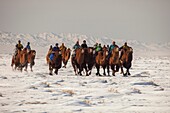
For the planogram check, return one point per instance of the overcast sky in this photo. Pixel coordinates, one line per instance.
(142, 20)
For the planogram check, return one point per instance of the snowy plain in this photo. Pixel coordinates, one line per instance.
(147, 90)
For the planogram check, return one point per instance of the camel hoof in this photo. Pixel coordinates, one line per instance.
(129, 74)
(125, 75)
(50, 74)
(56, 73)
(100, 74)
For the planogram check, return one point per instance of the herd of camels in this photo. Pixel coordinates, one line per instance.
(84, 60)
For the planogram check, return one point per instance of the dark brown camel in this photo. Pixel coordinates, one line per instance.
(89, 60)
(126, 60)
(114, 60)
(55, 63)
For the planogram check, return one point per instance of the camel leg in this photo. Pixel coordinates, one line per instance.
(117, 67)
(56, 71)
(26, 65)
(31, 67)
(74, 67)
(128, 72)
(50, 69)
(86, 71)
(108, 72)
(97, 67)
(122, 72)
(113, 72)
(80, 70)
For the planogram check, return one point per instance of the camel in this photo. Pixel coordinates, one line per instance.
(55, 63)
(114, 60)
(126, 60)
(30, 59)
(16, 60)
(66, 56)
(78, 62)
(23, 58)
(89, 59)
(101, 60)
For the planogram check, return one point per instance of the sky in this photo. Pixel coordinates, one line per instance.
(141, 20)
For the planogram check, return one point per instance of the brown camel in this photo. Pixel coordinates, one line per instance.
(78, 61)
(114, 60)
(23, 58)
(126, 60)
(55, 63)
(30, 59)
(101, 60)
(66, 56)
(27, 58)
(16, 60)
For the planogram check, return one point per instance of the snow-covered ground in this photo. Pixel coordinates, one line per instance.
(147, 90)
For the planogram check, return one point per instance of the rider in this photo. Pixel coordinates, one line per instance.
(62, 47)
(95, 46)
(84, 45)
(28, 47)
(75, 47)
(124, 47)
(98, 48)
(112, 46)
(19, 47)
(54, 49)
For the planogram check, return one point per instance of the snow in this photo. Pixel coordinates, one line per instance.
(147, 90)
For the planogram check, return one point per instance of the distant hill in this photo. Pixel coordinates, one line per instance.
(44, 40)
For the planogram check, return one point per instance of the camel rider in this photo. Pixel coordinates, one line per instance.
(75, 47)
(28, 47)
(62, 47)
(19, 47)
(84, 45)
(124, 47)
(98, 48)
(54, 49)
(112, 46)
(95, 46)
